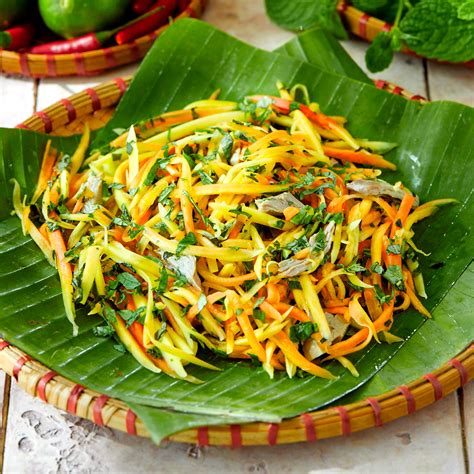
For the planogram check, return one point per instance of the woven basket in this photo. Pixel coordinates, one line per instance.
(368, 27)
(88, 63)
(96, 106)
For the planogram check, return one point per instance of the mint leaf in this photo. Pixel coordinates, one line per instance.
(379, 55)
(436, 31)
(300, 15)
(466, 10)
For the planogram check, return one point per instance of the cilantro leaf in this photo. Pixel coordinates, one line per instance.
(128, 281)
(381, 296)
(394, 275)
(302, 331)
(394, 249)
(103, 331)
(130, 316)
(189, 239)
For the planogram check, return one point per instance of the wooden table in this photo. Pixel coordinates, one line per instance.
(37, 438)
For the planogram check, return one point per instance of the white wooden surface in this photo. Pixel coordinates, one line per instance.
(37, 438)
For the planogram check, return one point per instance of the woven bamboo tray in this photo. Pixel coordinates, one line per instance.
(368, 27)
(96, 106)
(88, 63)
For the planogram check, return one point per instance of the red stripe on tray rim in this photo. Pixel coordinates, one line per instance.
(345, 420)
(19, 365)
(235, 436)
(51, 65)
(110, 57)
(461, 369)
(307, 420)
(411, 402)
(4, 344)
(377, 410)
(203, 436)
(41, 387)
(272, 434)
(97, 409)
(71, 110)
(437, 387)
(46, 119)
(121, 84)
(92, 93)
(24, 66)
(387, 27)
(363, 25)
(76, 392)
(131, 422)
(79, 63)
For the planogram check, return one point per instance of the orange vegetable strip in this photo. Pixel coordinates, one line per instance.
(403, 211)
(292, 354)
(295, 312)
(244, 323)
(46, 171)
(270, 311)
(290, 212)
(360, 157)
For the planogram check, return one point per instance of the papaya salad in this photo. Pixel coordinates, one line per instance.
(256, 230)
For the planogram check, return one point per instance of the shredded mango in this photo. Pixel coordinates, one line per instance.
(259, 230)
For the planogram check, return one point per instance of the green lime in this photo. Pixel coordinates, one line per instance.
(69, 18)
(11, 10)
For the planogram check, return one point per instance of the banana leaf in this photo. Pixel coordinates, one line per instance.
(190, 61)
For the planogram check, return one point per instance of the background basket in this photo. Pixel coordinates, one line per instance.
(88, 63)
(96, 106)
(368, 27)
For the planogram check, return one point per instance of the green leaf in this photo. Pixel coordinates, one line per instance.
(302, 331)
(432, 138)
(466, 10)
(437, 32)
(189, 239)
(304, 14)
(128, 281)
(379, 54)
(321, 49)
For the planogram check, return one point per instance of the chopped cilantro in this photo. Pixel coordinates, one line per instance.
(302, 331)
(166, 193)
(394, 275)
(394, 249)
(355, 268)
(381, 296)
(103, 331)
(205, 178)
(225, 146)
(161, 331)
(294, 285)
(258, 314)
(128, 281)
(189, 239)
(131, 316)
(376, 268)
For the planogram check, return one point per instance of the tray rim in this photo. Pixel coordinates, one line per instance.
(91, 62)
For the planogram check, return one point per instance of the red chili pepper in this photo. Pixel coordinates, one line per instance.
(88, 42)
(183, 4)
(17, 37)
(149, 24)
(141, 6)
